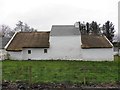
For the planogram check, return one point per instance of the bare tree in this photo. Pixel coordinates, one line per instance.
(33, 30)
(26, 28)
(19, 26)
(23, 27)
(5, 30)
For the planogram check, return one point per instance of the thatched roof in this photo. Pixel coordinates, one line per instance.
(29, 40)
(93, 41)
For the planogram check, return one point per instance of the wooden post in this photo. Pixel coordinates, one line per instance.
(84, 81)
(30, 76)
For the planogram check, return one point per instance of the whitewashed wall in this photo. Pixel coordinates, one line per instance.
(65, 47)
(36, 54)
(15, 55)
(105, 54)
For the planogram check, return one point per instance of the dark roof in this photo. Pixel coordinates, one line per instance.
(93, 41)
(64, 30)
(29, 40)
(3, 41)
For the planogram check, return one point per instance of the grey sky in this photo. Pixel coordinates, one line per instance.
(42, 14)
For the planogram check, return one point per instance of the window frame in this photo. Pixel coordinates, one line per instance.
(45, 50)
(29, 51)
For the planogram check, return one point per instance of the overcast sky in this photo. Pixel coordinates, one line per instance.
(42, 14)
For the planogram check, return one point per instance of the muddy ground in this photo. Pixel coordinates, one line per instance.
(57, 86)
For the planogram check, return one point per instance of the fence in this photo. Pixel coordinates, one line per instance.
(25, 74)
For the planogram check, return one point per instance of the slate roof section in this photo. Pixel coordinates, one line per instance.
(3, 41)
(29, 40)
(64, 30)
(93, 41)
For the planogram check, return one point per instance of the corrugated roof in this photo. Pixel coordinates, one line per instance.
(29, 40)
(64, 30)
(93, 41)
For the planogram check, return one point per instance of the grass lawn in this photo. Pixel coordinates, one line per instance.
(61, 71)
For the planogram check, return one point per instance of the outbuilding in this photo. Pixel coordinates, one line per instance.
(96, 48)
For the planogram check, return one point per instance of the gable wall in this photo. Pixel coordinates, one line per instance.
(65, 47)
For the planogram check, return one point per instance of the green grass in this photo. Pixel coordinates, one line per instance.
(61, 71)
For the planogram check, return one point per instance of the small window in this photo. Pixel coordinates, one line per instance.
(45, 50)
(29, 51)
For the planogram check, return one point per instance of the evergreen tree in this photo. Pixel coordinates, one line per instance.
(108, 30)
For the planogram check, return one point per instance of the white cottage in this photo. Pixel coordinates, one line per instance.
(64, 42)
(28, 45)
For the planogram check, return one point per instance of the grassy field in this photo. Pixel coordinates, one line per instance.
(61, 71)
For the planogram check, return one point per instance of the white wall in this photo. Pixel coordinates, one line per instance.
(105, 54)
(36, 54)
(15, 55)
(65, 47)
